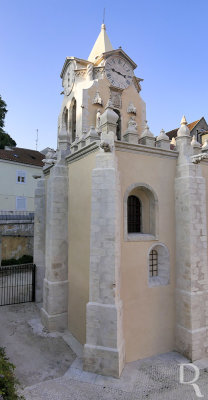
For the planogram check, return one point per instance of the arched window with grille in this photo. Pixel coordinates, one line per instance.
(134, 214)
(158, 265)
(153, 263)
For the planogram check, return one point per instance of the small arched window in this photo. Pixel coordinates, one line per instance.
(66, 119)
(74, 112)
(118, 128)
(134, 214)
(158, 265)
(153, 263)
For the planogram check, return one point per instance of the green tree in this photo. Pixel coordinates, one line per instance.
(5, 138)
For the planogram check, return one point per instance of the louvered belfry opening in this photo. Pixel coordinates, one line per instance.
(134, 214)
(153, 263)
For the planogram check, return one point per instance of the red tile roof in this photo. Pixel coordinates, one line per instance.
(173, 133)
(23, 156)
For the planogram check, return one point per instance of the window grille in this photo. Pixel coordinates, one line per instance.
(153, 263)
(134, 214)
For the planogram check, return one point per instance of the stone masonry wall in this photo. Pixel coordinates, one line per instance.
(191, 256)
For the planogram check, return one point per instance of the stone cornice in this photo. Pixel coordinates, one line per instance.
(92, 147)
(117, 52)
(67, 61)
(124, 146)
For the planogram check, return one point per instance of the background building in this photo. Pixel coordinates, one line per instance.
(17, 185)
(198, 128)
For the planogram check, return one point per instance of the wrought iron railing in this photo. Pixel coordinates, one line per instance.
(16, 215)
(17, 284)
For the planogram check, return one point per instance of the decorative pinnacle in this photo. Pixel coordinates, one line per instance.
(146, 131)
(194, 142)
(183, 130)
(162, 135)
(183, 121)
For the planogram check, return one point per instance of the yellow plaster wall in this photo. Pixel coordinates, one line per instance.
(79, 243)
(149, 313)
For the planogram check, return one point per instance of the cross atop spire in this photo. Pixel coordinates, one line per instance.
(101, 45)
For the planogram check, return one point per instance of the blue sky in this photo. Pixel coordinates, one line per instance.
(167, 40)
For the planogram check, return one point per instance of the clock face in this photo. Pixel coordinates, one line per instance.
(68, 80)
(119, 72)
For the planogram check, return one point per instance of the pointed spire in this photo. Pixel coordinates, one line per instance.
(162, 136)
(183, 120)
(146, 132)
(101, 45)
(183, 130)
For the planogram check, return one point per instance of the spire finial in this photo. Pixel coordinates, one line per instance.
(104, 16)
(183, 121)
(183, 130)
(102, 44)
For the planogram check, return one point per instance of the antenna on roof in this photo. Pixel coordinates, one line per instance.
(104, 16)
(36, 141)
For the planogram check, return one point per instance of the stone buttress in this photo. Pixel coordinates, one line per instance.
(191, 252)
(104, 348)
(39, 238)
(54, 313)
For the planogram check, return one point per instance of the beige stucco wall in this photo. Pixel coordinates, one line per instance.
(149, 313)
(79, 243)
(10, 189)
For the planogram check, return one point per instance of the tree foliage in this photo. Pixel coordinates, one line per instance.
(5, 138)
(8, 381)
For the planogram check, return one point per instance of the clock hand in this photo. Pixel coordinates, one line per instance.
(119, 73)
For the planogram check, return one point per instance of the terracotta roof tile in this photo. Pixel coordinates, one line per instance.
(173, 133)
(24, 156)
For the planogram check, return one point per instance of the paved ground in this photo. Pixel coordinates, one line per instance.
(49, 370)
(37, 356)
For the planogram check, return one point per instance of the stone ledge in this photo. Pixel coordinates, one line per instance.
(124, 146)
(140, 237)
(82, 152)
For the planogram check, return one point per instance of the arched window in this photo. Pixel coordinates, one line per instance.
(74, 112)
(142, 200)
(134, 214)
(158, 265)
(118, 129)
(153, 263)
(66, 120)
